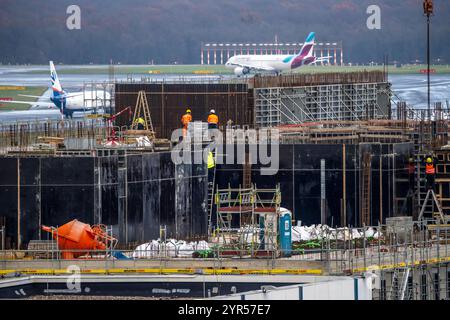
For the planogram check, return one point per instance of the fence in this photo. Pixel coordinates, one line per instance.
(342, 250)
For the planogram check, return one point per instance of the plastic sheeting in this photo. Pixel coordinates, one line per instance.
(169, 248)
(321, 232)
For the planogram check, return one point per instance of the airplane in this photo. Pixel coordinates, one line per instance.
(67, 103)
(275, 63)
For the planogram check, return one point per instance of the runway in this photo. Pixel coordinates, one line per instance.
(411, 88)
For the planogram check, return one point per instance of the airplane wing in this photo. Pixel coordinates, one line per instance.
(73, 94)
(31, 103)
(28, 96)
(255, 67)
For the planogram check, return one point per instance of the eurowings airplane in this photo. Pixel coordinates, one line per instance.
(67, 103)
(275, 63)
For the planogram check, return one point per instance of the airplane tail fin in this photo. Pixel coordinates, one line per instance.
(59, 97)
(56, 85)
(308, 46)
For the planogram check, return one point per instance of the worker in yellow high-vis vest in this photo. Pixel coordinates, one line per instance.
(211, 162)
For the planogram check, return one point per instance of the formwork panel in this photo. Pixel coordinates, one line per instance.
(135, 201)
(152, 194)
(30, 198)
(299, 177)
(109, 191)
(183, 206)
(168, 102)
(149, 184)
(199, 198)
(67, 190)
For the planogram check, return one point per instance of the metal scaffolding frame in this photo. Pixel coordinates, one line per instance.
(99, 99)
(336, 102)
(247, 218)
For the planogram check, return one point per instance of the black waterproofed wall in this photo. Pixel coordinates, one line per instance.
(135, 198)
(300, 181)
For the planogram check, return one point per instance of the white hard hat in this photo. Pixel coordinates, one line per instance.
(213, 111)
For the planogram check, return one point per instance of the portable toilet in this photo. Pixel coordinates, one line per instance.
(285, 232)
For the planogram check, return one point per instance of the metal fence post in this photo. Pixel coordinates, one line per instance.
(3, 237)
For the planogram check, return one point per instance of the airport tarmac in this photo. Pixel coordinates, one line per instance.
(409, 87)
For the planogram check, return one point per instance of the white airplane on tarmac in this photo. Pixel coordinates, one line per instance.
(275, 63)
(68, 103)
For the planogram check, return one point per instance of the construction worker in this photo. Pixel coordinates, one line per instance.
(430, 172)
(140, 123)
(211, 162)
(213, 120)
(185, 119)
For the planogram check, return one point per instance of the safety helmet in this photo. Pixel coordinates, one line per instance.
(213, 111)
(188, 110)
(429, 160)
(411, 159)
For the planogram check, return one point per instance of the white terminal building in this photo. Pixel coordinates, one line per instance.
(219, 53)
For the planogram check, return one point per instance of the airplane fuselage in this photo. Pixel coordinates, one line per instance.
(274, 63)
(270, 61)
(82, 101)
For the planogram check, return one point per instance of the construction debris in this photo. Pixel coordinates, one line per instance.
(324, 232)
(169, 248)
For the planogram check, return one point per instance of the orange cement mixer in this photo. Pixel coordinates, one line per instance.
(81, 238)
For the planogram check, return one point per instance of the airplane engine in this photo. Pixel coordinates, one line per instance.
(239, 71)
(309, 60)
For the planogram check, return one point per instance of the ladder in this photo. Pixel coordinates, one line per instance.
(366, 190)
(123, 192)
(142, 110)
(438, 205)
(247, 172)
(425, 206)
(211, 189)
(400, 288)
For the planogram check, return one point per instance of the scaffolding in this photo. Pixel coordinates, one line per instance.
(330, 102)
(99, 95)
(247, 219)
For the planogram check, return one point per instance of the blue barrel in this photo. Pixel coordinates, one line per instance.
(285, 232)
(261, 232)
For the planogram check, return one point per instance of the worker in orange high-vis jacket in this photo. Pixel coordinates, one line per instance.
(185, 119)
(430, 172)
(213, 120)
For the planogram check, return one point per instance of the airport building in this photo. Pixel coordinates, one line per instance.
(219, 53)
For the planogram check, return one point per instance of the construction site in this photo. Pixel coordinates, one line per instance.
(349, 200)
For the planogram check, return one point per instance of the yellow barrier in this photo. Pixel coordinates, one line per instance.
(4, 88)
(203, 72)
(165, 271)
(400, 265)
(211, 271)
